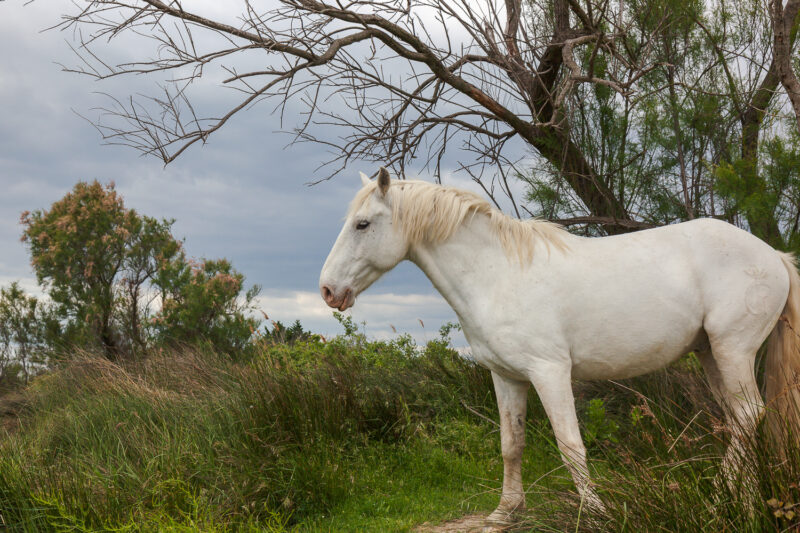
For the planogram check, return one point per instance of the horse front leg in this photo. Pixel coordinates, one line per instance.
(553, 384)
(512, 401)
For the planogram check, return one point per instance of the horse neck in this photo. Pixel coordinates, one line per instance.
(467, 264)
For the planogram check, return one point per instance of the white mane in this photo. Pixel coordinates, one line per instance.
(432, 213)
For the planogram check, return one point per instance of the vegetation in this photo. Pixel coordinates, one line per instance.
(634, 113)
(706, 134)
(105, 267)
(303, 434)
(25, 326)
(203, 300)
(354, 435)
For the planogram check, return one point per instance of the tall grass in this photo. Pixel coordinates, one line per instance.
(660, 466)
(337, 435)
(190, 437)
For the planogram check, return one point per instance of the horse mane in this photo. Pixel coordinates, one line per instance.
(427, 212)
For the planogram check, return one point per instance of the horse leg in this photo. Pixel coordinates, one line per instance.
(512, 402)
(553, 383)
(712, 375)
(741, 401)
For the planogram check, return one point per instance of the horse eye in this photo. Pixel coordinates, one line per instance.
(363, 224)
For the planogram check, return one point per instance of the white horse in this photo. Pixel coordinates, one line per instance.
(540, 305)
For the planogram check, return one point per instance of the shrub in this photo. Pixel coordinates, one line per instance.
(201, 302)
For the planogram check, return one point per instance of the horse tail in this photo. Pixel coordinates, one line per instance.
(783, 363)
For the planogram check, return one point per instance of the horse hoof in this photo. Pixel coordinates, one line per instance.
(495, 526)
(501, 519)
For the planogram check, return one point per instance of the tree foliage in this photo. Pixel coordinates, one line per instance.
(27, 331)
(201, 299)
(94, 256)
(121, 281)
(701, 136)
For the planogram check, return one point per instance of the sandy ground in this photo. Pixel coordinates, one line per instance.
(474, 523)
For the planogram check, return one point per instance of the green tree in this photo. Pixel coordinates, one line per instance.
(281, 334)
(699, 136)
(105, 266)
(87, 250)
(27, 329)
(201, 302)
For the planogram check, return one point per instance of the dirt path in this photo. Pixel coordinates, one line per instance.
(474, 523)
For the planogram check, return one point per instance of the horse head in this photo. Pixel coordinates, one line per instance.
(369, 244)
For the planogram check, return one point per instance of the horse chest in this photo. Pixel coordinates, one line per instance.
(511, 349)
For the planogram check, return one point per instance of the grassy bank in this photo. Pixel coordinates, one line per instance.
(314, 435)
(355, 435)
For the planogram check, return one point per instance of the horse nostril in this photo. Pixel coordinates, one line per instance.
(327, 293)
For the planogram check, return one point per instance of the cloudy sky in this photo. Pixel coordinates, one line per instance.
(243, 196)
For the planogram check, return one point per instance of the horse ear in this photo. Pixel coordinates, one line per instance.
(364, 179)
(383, 181)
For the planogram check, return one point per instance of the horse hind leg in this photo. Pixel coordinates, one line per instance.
(731, 375)
(713, 376)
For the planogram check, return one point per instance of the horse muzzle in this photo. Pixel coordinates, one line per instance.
(338, 299)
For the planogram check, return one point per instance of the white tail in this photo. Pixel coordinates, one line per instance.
(783, 362)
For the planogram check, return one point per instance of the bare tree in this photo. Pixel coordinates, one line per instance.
(413, 82)
(405, 80)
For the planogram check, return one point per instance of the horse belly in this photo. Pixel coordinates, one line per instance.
(617, 354)
(635, 328)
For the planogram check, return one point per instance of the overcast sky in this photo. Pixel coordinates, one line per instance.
(243, 196)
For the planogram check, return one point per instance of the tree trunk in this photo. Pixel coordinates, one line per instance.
(556, 146)
(762, 222)
(784, 32)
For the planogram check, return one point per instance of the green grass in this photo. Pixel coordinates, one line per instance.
(311, 436)
(455, 472)
(355, 435)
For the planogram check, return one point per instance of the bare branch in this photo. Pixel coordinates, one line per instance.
(405, 81)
